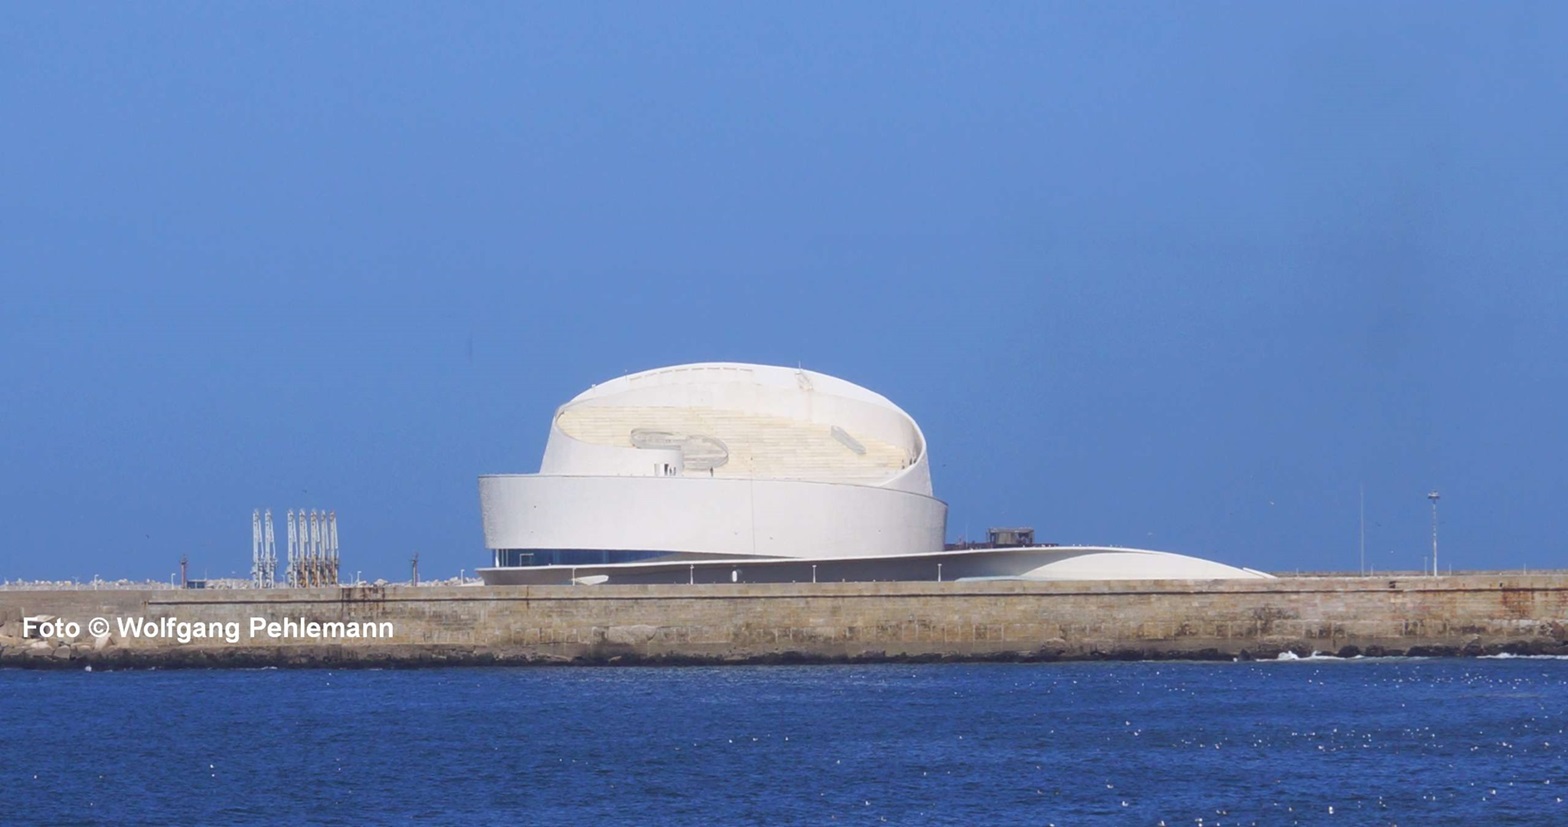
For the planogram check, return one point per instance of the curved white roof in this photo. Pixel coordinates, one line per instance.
(727, 419)
(721, 373)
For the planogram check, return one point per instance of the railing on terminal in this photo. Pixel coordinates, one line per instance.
(1001, 538)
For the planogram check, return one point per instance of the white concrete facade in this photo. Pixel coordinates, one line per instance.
(719, 517)
(725, 472)
(723, 460)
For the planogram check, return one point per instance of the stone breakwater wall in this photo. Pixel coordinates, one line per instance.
(995, 620)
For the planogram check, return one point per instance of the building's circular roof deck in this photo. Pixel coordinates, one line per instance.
(729, 443)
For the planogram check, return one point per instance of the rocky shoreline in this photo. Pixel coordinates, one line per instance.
(98, 654)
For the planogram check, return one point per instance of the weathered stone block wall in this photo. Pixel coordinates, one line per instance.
(1468, 614)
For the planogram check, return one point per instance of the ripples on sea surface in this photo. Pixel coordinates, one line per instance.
(1311, 742)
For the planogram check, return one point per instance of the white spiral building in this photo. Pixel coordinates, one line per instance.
(743, 473)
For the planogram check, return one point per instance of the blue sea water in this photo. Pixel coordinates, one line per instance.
(1358, 742)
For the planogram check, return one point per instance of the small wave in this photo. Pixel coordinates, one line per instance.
(1288, 655)
(1512, 656)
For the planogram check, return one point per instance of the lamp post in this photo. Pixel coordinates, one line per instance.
(1433, 496)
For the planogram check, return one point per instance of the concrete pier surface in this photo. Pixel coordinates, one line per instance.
(1456, 615)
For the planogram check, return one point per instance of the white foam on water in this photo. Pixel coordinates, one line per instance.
(1288, 655)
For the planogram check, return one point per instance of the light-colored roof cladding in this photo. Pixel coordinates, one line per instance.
(751, 421)
(737, 443)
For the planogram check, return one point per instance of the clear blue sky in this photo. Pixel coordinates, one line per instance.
(1181, 276)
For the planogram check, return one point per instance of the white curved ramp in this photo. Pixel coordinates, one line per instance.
(1106, 563)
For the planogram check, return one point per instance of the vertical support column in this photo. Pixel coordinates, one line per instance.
(269, 553)
(315, 548)
(332, 546)
(300, 564)
(255, 548)
(290, 574)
